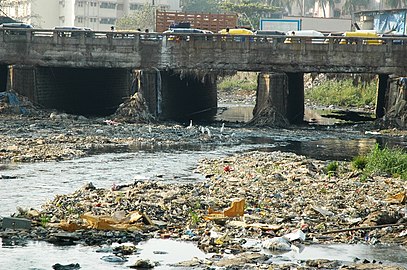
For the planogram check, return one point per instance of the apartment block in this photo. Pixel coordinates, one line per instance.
(96, 14)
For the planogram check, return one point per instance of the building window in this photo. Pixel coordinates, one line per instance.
(93, 4)
(337, 13)
(108, 21)
(80, 4)
(136, 6)
(79, 19)
(92, 20)
(108, 5)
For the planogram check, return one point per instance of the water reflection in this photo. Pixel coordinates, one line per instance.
(348, 253)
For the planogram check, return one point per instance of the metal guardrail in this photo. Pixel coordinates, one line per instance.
(31, 35)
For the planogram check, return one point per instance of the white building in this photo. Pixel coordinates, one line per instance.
(95, 14)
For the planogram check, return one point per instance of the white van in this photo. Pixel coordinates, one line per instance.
(314, 37)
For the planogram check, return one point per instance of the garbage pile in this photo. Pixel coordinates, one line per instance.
(12, 103)
(277, 198)
(268, 116)
(133, 110)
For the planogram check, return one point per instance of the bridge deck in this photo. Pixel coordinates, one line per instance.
(199, 52)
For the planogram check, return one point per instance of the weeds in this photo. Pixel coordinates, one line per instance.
(342, 93)
(359, 162)
(243, 81)
(44, 219)
(387, 161)
(194, 217)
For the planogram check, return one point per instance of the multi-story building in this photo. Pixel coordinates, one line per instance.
(95, 14)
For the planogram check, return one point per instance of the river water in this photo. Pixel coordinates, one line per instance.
(30, 185)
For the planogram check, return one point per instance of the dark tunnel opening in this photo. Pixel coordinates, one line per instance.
(189, 97)
(79, 91)
(3, 77)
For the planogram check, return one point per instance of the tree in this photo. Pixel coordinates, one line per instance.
(396, 3)
(143, 18)
(326, 4)
(352, 6)
(204, 6)
(250, 11)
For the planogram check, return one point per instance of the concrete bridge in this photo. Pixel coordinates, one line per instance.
(88, 72)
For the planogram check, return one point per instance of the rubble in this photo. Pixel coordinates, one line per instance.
(274, 209)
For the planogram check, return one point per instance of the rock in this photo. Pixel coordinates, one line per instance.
(72, 266)
(142, 264)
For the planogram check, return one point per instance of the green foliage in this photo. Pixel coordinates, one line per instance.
(387, 161)
(332, 167)
(250, 11)
(195, 219)
(246, 81)
(342, 93)
(205, 6)
(350, 6)
(143, 18)
(359, 162)
(44, 219)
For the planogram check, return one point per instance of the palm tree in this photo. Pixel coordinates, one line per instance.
(326, 4)
(352, 6)
(396, 3)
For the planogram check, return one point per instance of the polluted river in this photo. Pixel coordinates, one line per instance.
(178, 161)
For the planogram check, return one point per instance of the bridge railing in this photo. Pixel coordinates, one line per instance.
(31, 35)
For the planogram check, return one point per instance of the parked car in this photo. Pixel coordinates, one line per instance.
(396, 39)
(182, 32)
(313, 36)
(358, 35)
(15, 28)
(73, 31)
(240, 32)
(270, 35)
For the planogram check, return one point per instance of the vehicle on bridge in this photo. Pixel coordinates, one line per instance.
(307, 36)
(178, 34)
(239, 32)
(270, 36)
(364, 36)
(73, 31)
(16, 28)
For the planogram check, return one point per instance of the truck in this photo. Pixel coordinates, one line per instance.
(293, 23)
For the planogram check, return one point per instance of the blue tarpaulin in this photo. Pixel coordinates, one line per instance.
(390, 23)
(12, 100)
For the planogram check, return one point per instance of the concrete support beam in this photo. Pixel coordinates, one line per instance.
(280, 99)
(382, 89)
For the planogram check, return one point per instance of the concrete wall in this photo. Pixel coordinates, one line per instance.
(279, 99)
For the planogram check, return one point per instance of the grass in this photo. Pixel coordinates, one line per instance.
(342, 93)
(242, 81)
(384, 161)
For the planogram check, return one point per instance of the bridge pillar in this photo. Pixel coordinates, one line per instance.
(81, 91)
(382, 89)
(280, 99)
(179, 96)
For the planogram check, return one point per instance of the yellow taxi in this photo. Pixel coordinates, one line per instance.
(354, 37)
(240, 32)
